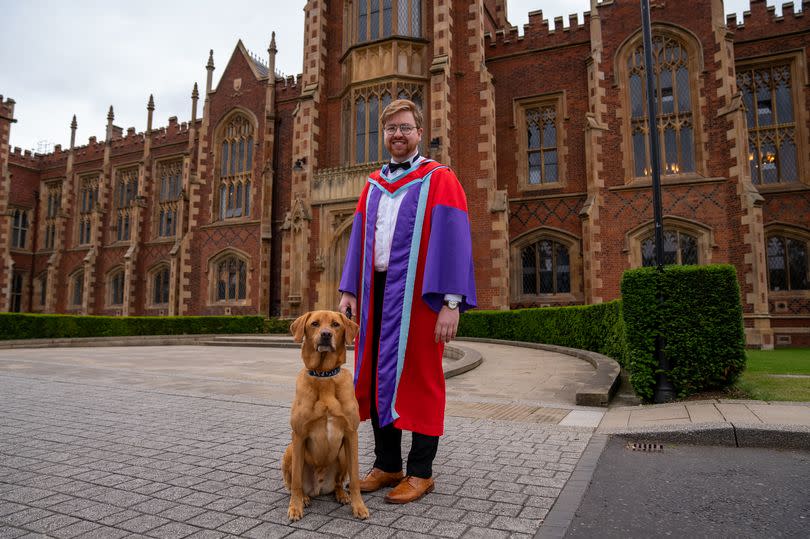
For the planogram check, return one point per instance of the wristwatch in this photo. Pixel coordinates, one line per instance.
(451, 304)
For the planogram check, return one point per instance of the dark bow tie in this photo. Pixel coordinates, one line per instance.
(393, 167)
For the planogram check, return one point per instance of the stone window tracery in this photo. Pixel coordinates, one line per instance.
(235, 168)
(170, 185)
(126, 189)
(77, 289)
(378, 19)
(17, 285)
(539, 133)
(229, 282)
(53, 205)
(160, 286)
(680, 248)
(88, 197)
(19, 228)
(675, 120)
(546, 268)
(787, 260)
(116, 288)
(365, 108)
(769, 112)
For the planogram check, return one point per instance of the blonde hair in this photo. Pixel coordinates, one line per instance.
(400, 105)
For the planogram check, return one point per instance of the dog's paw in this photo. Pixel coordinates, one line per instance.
(307, 501)
(342, 496)
(295, 512)
(359, 510)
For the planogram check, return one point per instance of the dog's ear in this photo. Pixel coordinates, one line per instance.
(297, 327)
(351, 328)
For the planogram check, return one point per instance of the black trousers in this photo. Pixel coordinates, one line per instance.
(388, 439)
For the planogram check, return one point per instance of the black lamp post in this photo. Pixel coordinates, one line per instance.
(664, 392)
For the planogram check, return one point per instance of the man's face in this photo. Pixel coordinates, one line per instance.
(401, 146)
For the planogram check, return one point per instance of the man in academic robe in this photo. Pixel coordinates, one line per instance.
(407, 276)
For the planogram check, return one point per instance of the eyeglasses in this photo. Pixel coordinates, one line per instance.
(405, 129)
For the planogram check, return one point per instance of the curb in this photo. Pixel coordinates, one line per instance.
(598, 392)
(771, 436)
(457, 359)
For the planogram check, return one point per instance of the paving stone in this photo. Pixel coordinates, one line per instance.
(11, 533)
(376, 532)
(173, 530)
(6, 508)
(97, 511)
(207, 534)
(115, 518)
(29, 514)
(268, 530)
(449, 529)
(142, 523)
(415, 524)
(211, 519)
(240, 525)
(79, 529)
(50, 524)
(182, 513)
(343, 528)
(523, 525)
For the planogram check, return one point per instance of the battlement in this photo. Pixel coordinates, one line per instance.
(7, 107)
(23, 157)
(537, 33)
(288, 87)
(761, 17)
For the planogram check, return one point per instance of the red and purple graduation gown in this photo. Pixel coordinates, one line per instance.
(431, 255)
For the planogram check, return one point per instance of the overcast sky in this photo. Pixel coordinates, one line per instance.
(59, 58)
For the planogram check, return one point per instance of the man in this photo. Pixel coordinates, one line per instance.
(408, 274)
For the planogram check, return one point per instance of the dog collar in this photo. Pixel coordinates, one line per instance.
(324, 374)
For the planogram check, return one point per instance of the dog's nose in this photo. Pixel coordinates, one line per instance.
(326, 335)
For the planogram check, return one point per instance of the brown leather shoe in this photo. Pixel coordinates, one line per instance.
(410, 489)
(377, 479)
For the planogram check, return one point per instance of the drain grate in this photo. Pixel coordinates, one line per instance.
(645, 446)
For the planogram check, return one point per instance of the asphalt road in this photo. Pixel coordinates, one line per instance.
(691, 491)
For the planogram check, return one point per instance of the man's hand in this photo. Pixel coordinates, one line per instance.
(348, 301)
(446, 325)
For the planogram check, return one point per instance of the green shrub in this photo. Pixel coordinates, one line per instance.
(277, 325)
(55, 326)
(700, 319)
(598, 328)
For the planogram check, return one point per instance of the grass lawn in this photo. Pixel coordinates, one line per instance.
(759, 382)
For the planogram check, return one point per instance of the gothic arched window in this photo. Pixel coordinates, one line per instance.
(230, 279)
(679, 248)
(788, 267)
(235, 167)
(116, 288)
(160, 285)
(675, 121)
(378, 19)
(126, 189)
(771, 119)
(546, 268)
(170, 185)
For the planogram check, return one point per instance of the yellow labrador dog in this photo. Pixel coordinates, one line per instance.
(324, 417)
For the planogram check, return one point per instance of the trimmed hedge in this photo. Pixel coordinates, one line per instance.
(598, 328)
(700, 318)
(277, 325)
(55, 326)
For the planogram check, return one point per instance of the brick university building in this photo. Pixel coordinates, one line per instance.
(245, 208)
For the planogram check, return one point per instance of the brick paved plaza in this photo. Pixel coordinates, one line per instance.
(98, 457)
